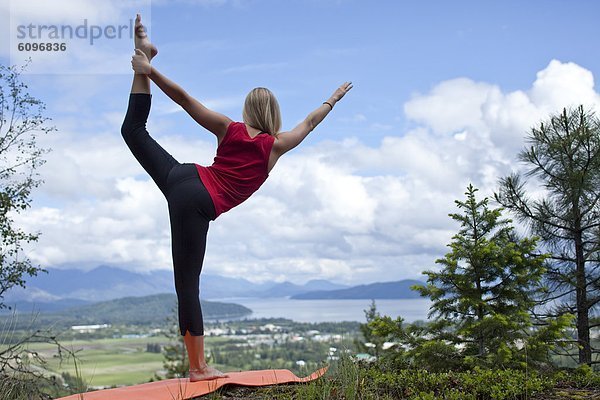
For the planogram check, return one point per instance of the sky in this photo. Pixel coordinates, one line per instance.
(444, 95)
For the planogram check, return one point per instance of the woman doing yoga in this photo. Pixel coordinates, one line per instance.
(196, 195)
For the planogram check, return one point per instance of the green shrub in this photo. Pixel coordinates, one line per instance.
(477, 384)
(584, 377)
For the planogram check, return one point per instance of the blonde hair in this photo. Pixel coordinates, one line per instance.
(261, 111)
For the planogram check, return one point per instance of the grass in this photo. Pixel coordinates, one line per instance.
(343, 380)
(100, 363)
(348, 380)
(107, 362)
(110, 362)
(105, 368)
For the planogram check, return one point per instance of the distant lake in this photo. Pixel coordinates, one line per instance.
(331, 310)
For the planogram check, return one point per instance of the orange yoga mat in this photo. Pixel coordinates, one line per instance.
(180, 389)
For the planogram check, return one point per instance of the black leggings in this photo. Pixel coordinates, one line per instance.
(190, 209)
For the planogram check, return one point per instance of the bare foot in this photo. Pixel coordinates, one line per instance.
(205, 374)
(141, 39)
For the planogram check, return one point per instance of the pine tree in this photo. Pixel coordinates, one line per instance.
(372, 343)
(564, 158)
(484, 290)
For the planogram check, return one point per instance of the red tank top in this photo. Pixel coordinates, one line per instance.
(239, 168)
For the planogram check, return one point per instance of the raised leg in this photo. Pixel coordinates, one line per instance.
(152, 157)
(141, 39)
(141, 83)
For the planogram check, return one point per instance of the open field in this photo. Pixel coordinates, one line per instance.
(109, 362)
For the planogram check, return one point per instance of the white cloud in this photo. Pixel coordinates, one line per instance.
(450, 105)
(479, 111)
(563, 85)
(342, 210)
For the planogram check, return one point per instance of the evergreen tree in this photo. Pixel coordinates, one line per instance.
(373, 342)
(483, 292)
(563, 156)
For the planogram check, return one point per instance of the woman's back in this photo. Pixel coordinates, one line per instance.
(239, 168)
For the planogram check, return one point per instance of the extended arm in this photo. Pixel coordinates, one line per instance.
(213, 121)
(288, 140)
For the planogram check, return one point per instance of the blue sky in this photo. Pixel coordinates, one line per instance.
(444, 93)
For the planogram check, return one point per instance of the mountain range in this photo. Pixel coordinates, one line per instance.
(145, 310)
(62, 288)
(377, 290)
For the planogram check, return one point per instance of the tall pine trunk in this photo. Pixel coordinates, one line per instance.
(583, 322)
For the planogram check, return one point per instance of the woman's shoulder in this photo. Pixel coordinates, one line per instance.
(231, 131)
(233, 127)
